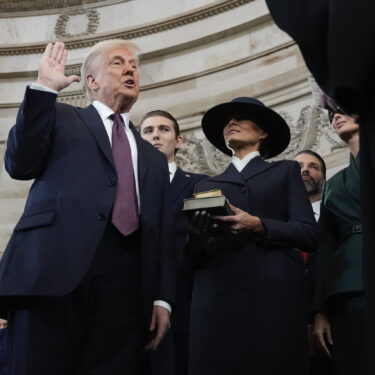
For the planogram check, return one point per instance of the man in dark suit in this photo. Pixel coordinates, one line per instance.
(313, 172)
(89, 261)
(336, 40)
(161, 129)
(248, 305)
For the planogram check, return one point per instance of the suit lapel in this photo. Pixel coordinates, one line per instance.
(179, 184)
(142, 159)
(256, 166)
(230, 175)
(95, 124)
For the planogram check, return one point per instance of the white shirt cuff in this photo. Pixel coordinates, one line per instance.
(164, 304)
(36, 86)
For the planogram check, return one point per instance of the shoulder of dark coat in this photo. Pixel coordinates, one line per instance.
(285, 163)
(193, 176)
(154, 152)
(337, 177)
(68, 107)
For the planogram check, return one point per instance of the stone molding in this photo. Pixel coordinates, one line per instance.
(25, 8)
(136, 32)
(62, 21)
(74, 98)
(219, 68)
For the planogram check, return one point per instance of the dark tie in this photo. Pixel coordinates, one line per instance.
(125, 209)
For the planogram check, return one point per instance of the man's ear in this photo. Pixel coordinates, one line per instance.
(180, 141)
(91, 82)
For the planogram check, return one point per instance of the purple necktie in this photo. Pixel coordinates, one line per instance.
(125, 209)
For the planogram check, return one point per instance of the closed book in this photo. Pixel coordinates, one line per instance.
(215, 206)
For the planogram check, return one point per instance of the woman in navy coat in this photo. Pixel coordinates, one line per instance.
(247, 312)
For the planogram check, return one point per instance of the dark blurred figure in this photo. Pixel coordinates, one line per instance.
(4, 368)
(336, 40)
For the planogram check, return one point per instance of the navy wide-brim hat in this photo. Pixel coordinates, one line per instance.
(271, 122)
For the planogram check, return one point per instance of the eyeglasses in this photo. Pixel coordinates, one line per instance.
(331, 114)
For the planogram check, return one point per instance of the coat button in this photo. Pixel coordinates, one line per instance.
(243, 190)
(112, 182)
(101, 217)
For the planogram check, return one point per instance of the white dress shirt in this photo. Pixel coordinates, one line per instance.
(104, 113)
(240, 164)
(172, 170)
(316, 209)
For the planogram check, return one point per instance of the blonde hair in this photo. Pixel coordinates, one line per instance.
(90, 64)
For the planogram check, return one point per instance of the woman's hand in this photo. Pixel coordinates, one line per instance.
(242, 221)
(200, 223)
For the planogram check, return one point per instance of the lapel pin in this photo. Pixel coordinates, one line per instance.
(187, 175)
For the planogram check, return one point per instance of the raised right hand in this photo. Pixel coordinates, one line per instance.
(52, 66)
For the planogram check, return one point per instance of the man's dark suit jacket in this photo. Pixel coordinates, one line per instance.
(248, 305)
(68, 153)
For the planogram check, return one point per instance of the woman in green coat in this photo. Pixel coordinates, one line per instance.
(339, 297)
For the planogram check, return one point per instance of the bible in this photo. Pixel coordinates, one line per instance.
(212, 201)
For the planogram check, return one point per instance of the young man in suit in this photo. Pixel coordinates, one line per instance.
(90, 262)
(161, 129)
(248, 306)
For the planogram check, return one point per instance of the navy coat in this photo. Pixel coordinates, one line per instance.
(248, 306)
(182, 187)
(172, 355)
(67, 150)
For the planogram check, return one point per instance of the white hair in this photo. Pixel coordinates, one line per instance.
(90, 64)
